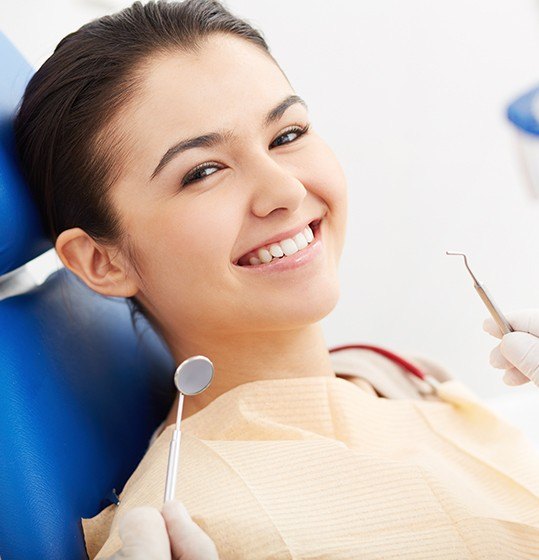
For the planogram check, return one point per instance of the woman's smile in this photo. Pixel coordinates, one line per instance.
(307, 255)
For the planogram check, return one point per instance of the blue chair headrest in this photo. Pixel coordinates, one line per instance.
(79, 398)
(22, 236)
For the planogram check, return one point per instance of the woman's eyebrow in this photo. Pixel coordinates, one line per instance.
(214, 138)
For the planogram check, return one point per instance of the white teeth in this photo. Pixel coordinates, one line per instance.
(264, 255)
(289, 247)
(276, 251)
(286, 247)
(300, 241)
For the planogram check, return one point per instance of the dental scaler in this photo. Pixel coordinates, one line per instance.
(497, 315)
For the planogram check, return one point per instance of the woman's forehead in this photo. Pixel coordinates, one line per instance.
(227, 73)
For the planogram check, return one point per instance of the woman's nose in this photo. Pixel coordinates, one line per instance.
(274, 186)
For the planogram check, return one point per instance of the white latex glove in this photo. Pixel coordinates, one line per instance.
(148, 534)
(518, 352)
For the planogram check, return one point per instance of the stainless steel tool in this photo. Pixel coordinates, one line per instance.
(192, 376)
(497, 315)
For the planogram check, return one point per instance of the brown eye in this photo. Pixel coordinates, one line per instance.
(297, 130)
(198, 173)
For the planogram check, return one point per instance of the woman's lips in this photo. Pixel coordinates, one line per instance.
(315, 227)
(252, 252)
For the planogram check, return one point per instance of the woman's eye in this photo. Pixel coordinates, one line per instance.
(297, 130)
(199, 172)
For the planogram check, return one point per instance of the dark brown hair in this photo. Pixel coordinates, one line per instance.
(67, 155)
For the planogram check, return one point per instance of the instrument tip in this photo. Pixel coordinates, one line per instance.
(454, 253)
(465, 263)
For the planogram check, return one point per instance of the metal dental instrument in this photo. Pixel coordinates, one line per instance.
(192, 376)
(497, 315)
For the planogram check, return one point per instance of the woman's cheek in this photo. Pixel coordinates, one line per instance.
(325, 175)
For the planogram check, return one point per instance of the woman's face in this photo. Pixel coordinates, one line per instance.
(263, 180)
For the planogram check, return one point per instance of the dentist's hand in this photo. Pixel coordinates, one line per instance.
(148, 534)
(518, 352)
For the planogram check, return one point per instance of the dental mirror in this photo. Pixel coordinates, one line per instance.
(192, 376)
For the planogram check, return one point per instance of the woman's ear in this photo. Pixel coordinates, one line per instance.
(102, 268)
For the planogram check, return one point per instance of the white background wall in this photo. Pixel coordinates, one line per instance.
(411, 96)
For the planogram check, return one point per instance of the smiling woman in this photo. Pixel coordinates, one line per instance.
(174, 165)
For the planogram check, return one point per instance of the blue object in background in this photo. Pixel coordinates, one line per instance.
(21, 234)
(80, 391)
(523, 113)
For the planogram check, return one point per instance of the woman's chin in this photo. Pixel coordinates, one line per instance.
(298, 304)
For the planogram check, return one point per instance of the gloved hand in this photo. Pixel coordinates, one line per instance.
(148, 534)
(518, 352)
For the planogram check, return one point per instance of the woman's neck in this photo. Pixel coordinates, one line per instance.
(268, 355)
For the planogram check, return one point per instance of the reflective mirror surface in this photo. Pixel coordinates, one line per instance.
(193, 375)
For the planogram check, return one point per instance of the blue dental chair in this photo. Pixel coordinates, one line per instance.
(81, 390)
